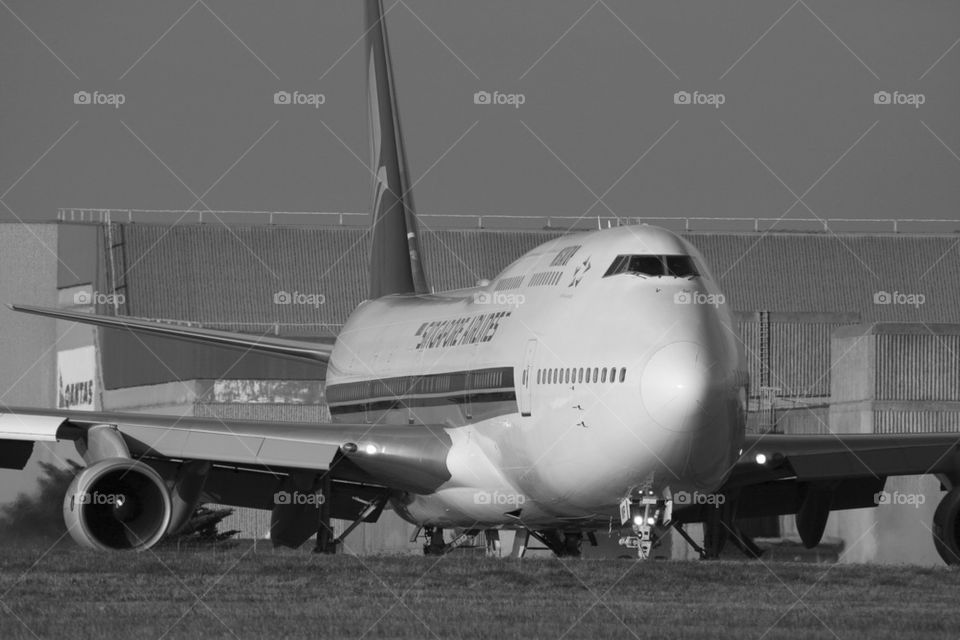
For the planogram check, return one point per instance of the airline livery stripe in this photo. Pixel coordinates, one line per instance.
(507, 400)
(438, 385)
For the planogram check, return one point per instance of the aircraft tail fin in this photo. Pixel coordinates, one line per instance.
(396, 264)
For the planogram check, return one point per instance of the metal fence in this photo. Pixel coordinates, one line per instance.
(514, 221)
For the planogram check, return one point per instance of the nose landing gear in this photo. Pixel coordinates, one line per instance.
(649, 517)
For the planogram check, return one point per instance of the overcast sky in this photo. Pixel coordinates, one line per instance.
(598, 80)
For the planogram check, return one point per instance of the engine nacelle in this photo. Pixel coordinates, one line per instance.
(117, 504)
(946, 527)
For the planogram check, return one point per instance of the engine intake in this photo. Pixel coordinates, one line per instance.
(117, 504)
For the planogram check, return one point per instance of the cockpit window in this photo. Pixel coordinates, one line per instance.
(677, 266)
(681, 266)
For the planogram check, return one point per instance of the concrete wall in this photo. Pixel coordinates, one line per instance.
(28, 274)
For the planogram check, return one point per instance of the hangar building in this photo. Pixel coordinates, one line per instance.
(851, 331)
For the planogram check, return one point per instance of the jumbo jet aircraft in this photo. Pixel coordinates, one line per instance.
(588, 387)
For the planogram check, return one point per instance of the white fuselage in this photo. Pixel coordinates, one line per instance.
(561, 388)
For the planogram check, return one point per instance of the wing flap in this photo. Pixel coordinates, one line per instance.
(35, 428)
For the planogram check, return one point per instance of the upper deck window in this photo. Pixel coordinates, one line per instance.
(676, 266)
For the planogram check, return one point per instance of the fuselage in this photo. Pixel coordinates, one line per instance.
(581, 372)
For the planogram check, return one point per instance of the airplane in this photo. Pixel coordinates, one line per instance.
(597, 382)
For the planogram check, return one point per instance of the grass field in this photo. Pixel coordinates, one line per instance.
(248, 592)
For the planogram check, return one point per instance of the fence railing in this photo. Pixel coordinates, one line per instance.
(501, 221)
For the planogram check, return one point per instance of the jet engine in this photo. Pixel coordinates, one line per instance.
(946, 527)
(117, 503)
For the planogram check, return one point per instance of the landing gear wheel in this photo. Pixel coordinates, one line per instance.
(435, 545)
(572, 544)
(946, 527)
(714, 538)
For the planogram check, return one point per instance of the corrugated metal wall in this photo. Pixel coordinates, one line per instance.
(918, 366)
(808, 272)
(920, 421)
(799, 356)
(228, 277)
(791, 420)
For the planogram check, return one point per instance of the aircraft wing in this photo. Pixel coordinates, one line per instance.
(811, 475)
(286, 347)
(408, 457)
(831, 457)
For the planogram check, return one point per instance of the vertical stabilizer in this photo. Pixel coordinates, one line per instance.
(395, 259)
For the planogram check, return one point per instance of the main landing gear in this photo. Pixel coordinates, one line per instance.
(563, 544)
(437, 546)
(326, 541)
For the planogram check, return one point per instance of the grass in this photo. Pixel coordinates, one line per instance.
(239, 591)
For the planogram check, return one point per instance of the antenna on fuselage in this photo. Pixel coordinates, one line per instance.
(396, 265)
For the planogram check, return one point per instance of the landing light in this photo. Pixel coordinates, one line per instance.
(371, 449)
(651, 521)
(638, 520)
(761, 458)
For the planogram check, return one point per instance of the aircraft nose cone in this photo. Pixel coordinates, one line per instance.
(675, 385)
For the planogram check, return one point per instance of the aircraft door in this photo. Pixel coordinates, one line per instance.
(526, 377)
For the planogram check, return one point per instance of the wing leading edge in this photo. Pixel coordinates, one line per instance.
(284, 347)
(408, 458)
(822, 458)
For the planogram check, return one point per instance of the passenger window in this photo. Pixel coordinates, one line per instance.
(613, 374)
(596, 374)
(580, 375)
(603, 375)
(623, 374)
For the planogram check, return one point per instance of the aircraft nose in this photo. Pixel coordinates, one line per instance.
(675, 385)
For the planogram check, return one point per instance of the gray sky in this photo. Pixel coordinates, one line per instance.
(797, 78)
